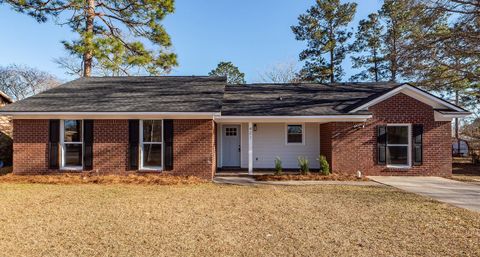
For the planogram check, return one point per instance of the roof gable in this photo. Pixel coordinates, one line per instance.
(414, 92)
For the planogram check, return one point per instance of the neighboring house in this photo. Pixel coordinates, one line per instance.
(460, 147)
(5, 132)
(197, 125)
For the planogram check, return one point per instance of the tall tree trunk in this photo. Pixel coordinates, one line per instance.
(375, 64)
(456, 124)
(332, 67)
(393, 54)
(331, 38)
(88, 55)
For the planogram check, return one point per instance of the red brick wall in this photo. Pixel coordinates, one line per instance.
(194, 147)
(326, 141)
(30, 147)
(354, 149)
(110, 146)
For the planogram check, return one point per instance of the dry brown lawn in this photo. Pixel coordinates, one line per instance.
(215, 220)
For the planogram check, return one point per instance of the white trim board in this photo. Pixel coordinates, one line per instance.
(292, 119)
(413, 92)
(111, 115)
(448, 117)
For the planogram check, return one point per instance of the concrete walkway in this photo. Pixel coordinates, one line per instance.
(249, 181)
(460, 194)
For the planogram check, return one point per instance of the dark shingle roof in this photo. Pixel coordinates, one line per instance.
(129, 94)
(299, 99)
(202, 94)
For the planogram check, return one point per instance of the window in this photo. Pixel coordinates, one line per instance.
(151, 144)
(295, 134)
(231, 132)
(398, 145)
(71, 140)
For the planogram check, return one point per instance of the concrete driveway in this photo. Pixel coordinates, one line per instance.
(461, 194)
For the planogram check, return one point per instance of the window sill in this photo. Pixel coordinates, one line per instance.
(71, 168)
(399, 167)
(152, 169)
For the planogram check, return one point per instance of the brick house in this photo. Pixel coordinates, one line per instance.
(198, 125)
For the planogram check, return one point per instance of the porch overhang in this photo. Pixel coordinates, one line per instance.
(445, 115)
(277, 119)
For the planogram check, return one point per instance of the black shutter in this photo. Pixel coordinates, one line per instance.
(133, 141)
(88, 144)
(53, 144)
(168, 137)
(417, 138)
(381, 145)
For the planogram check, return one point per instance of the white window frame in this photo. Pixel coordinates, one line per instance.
(151, 168)
(409, 146)
(63, 143)
(303, 133)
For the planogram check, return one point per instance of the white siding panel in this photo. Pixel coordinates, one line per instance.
(269, 142)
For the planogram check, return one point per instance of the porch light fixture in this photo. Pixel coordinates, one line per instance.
(255, 127)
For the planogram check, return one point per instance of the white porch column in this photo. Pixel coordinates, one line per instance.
(250, 148)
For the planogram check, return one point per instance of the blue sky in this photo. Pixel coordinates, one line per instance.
(253, 34)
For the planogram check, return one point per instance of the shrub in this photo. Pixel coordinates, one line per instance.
(278, 166)
(324, 166)
(303, 165)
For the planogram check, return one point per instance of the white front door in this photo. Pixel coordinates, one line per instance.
(231, 146)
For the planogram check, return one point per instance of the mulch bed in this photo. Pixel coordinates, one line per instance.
(311, 176)
(135, 179)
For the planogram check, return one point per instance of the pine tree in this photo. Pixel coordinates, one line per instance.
(324, 28)
(369, 44)
(227, 69)
(100, 25)
(447, 56)
(397, 16)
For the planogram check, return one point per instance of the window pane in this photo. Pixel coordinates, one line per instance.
(294, 129)
(295, 138)
(73, 155)
(152, 131)
(397, 155)
(73, 131)
(152, 155)
(397, 135)
(294, 134)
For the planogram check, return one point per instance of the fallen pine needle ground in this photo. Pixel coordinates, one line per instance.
(67, 179)
(311, 176)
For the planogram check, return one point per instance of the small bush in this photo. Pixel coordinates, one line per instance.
(303, 165)
(324, 166)
(278, 166)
